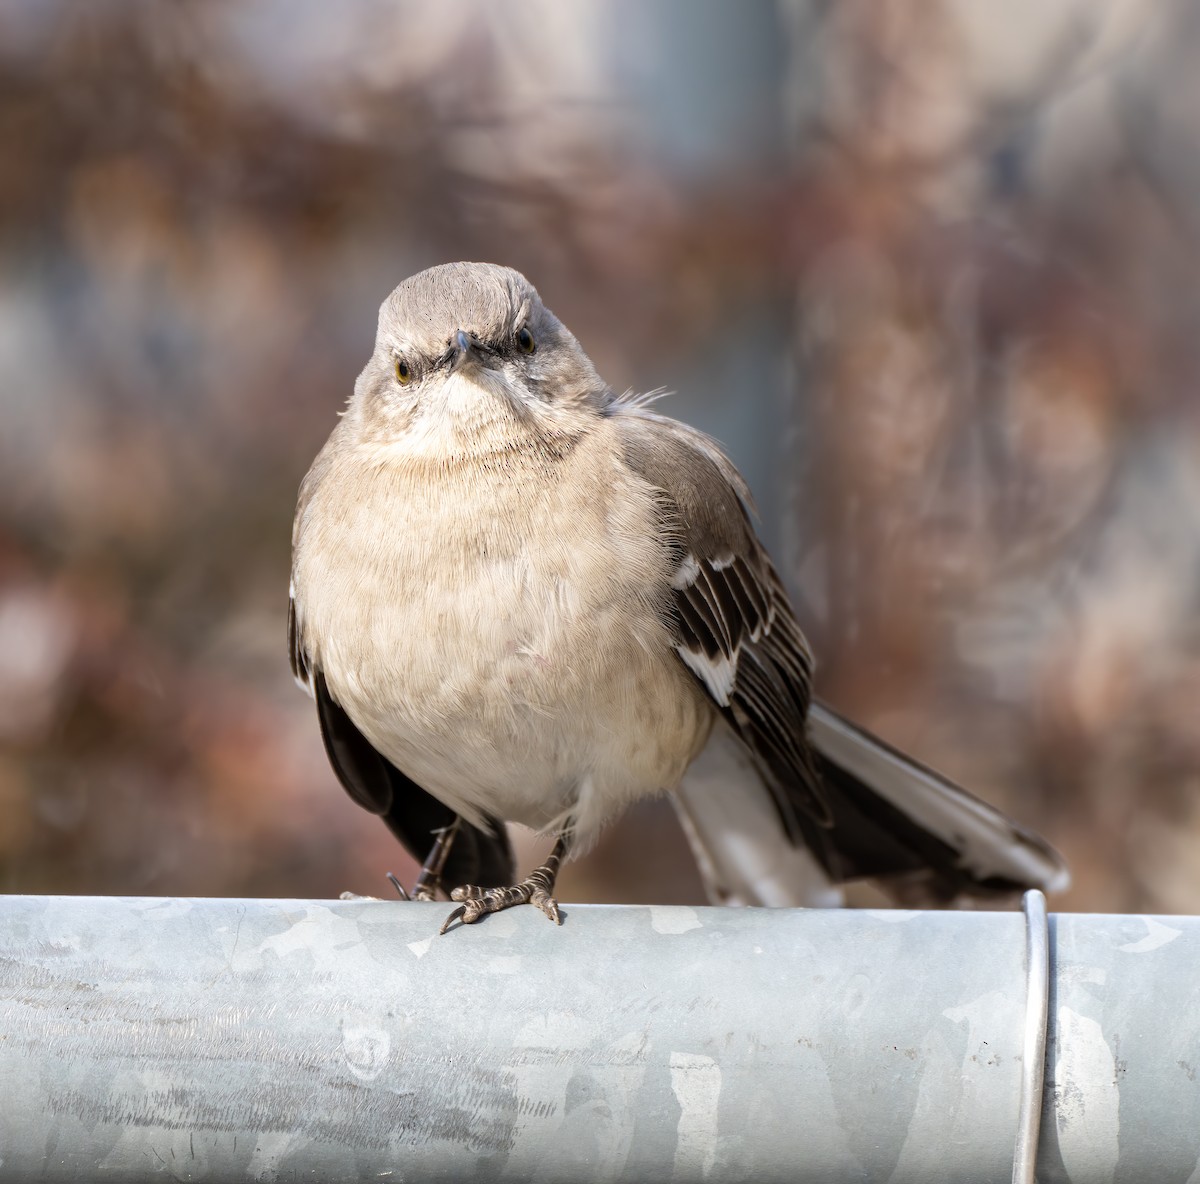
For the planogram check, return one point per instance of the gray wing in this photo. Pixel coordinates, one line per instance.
(734, 627)
(862, 807)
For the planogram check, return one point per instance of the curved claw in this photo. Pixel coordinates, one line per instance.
(454, 916)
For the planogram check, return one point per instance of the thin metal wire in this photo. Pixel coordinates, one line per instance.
(1033, 1055)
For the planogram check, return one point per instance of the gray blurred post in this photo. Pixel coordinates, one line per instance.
(276, 1040)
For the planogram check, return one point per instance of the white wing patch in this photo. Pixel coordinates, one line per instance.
(689, 569)
(717, 674)
(724, 622)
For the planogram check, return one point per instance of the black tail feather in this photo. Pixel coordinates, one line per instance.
(896, 819)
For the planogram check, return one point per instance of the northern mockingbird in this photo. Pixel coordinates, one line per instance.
(519, 597)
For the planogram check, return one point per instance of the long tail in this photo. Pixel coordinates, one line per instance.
(733, 825)
(925, 839)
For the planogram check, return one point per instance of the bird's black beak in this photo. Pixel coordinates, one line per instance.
(466, 351)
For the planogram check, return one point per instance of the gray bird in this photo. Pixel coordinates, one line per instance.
(519, 597)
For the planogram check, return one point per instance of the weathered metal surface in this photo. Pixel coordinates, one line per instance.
(1122, 1103)
(307, 1040)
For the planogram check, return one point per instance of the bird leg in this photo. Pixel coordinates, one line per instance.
(429, 881)
(535, 889)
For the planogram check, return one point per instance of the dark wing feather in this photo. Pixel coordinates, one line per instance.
(411, 814)
(296, 654)
(734, 626)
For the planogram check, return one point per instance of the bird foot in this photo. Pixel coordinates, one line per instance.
(478, 902)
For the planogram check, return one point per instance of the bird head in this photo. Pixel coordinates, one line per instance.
(466, 353)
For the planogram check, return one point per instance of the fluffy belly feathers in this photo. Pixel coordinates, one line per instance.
(529, 682)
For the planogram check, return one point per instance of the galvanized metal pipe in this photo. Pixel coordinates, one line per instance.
(278, 1040)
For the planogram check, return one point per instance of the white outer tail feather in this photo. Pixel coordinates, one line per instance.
(733, 827)
(745, 857)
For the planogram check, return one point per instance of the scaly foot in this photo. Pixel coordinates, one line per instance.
(536, 889)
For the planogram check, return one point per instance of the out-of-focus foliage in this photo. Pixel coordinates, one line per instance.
(979, 233)
(999, 514)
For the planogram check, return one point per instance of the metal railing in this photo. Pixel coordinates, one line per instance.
(155, 1039)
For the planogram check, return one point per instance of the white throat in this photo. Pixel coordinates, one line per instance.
(463, 412)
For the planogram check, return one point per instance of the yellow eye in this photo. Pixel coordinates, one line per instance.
(525, 341)
(403, 372)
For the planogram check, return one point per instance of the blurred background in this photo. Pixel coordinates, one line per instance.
(930, 269)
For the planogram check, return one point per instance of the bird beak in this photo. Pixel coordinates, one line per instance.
(465, 351)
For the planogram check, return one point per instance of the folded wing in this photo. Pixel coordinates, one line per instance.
(861, 807)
